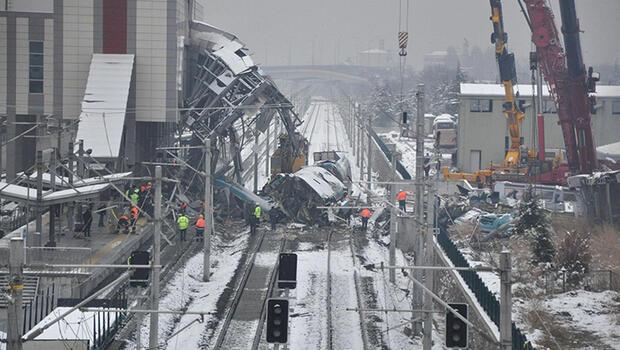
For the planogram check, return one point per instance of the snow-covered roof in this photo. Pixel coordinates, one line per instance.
(610, 151)
(22, 194)
(475, 89)
(235, 56)
(77, 325)
(321, 181)
(105, 103)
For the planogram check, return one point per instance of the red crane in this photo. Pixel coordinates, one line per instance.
(569, 83)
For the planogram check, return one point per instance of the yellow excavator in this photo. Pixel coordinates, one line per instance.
(517, 156)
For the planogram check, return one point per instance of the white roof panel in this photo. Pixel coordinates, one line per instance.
(475, 89)
(105, 103)
(77, 325)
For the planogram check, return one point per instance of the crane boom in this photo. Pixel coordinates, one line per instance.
(508, 76)
(567, 80)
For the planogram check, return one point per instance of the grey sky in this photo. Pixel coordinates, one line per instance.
(273, 28)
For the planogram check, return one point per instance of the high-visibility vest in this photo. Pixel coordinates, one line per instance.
(183, 222)
(200, 223)
(134, 212)
(401, 196)
(258, 211)
(366, 213)
(134, 198)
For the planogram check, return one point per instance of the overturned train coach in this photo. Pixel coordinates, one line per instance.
(325, 183)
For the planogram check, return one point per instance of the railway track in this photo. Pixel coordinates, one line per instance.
(248, 302)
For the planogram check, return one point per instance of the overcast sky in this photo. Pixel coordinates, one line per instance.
(279, 31)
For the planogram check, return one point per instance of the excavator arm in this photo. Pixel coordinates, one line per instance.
(508, 75)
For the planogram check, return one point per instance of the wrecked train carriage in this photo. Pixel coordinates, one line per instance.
(300, 194)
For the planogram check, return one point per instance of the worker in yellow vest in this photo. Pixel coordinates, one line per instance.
(183, 222)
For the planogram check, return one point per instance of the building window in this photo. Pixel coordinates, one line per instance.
(615, 107)
(479, 105)
(549, 107)
(36, 67)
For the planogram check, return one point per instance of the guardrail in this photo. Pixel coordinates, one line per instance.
(400, 168)
(487, 300)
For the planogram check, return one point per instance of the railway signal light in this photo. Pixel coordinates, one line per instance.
(456, 329)
(405, 117)
(277, 321)
(139, 277)
(287, 271)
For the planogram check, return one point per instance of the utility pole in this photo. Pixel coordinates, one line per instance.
(52, 212)
(255, 160)
(208, 212)
(429, 281)
(419, 207)
(154, 330)
(393, 218)
(268, 154)
(16, 285)
(39, 208)
(360, 153)
(505, 305)
(369, 158)
(71, 207)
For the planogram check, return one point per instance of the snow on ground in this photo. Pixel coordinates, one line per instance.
(346, 324)
(590, 312)
(186, 291)
(308, 321)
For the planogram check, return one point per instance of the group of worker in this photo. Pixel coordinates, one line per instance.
(366, 214)
(141, 201)
(183, 222)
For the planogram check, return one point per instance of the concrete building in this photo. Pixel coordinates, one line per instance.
(482, 126)
(49, 59)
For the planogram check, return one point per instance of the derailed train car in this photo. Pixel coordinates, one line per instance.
(299, 194)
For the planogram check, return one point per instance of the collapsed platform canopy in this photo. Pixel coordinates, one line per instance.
(105, 104)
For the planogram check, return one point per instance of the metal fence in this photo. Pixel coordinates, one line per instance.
(487, 300)
(59, 255)
(559, 281)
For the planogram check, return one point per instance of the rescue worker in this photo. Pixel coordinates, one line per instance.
(133, 215)
(183, 207)
(123, 223)
(273, 219)
(255, 219)
(365, 214)
(135, 198)
(200, 227)
(401, 197)
(87, 220)
(183, 223)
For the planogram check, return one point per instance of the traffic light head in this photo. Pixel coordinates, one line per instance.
(277, 321)
(456, 329)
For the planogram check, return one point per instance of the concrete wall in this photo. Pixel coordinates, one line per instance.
(486, 131)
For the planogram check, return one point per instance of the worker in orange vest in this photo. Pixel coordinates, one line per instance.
(123, 223)
(133, 214)
(401, 197)
(365, 214)
(200, 227)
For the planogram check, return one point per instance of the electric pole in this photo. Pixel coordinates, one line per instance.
(255, 160)
(39, 208)
(16, 285)
(393, 218)
(154, 325)
(505, 304)
(369, 158)
(268, 154)
(429, 258)
(419, 208)
(208, 206)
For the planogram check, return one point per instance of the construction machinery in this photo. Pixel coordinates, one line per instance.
(569, 83)
(291, 154)
(517, 155)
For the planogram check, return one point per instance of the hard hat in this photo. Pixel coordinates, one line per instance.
(257, 203)
(201, 216)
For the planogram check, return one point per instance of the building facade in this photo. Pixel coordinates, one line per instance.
(483, 130)
(49, 50)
